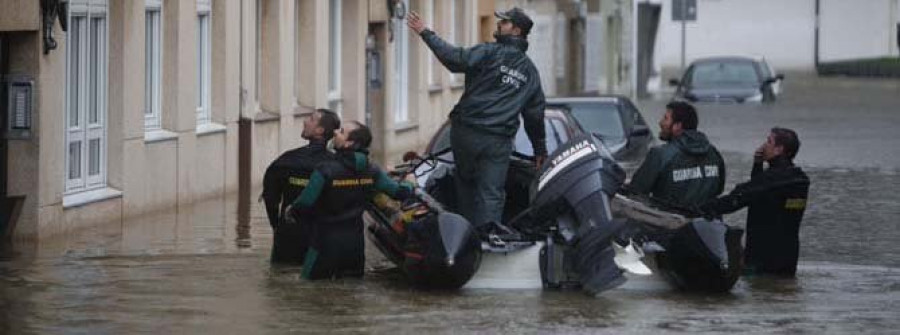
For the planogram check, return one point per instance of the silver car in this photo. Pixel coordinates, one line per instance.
(731, 79)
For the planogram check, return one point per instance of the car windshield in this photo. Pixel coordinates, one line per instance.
(599, 118)
(724, 74)
(521, 143)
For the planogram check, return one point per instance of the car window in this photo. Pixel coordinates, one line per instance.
(522, 144)
(599, 118)
(560, 129)
(441, 140)
(724, 73)
(765, 70)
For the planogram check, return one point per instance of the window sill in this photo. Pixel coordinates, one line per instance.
(89, 197)
(159, 135)
(266, 116)
(405, 126)
(210, 128)
(303, 111)
(457, 85)
(435, 88)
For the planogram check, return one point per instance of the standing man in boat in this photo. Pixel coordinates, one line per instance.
(501, 84)
(776, 197)
(687, 170)
(287, 176)
(334, 202)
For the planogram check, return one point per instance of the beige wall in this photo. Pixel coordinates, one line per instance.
(190, 166)
(20, 15)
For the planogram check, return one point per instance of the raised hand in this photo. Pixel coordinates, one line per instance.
(415, 22)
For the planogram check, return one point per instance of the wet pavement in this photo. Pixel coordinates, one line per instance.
(205, 268)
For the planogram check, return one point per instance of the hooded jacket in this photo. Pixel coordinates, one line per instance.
(685, 172)
(501, 84)
(777, 199)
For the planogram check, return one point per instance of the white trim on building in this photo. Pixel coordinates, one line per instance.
(401, 70)
(334, 60)
(86, 83)
(153, 65)
(204, 63)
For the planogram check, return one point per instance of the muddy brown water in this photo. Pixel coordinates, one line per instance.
(205, 269)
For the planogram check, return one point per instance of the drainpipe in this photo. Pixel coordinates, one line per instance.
(634, 50)
(816, 37)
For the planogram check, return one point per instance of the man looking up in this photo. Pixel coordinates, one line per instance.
(334, 201)
(287, 176)
(501, 84)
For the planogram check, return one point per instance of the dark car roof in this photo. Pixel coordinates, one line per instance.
(550, 112)
(585, 99)
(727, 59)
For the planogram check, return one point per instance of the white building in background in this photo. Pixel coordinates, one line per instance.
(782, 31)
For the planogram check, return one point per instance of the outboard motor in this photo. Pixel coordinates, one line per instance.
(570, 210)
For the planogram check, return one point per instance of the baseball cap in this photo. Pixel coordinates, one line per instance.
(518, 18)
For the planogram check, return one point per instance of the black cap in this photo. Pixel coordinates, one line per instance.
(518, 18)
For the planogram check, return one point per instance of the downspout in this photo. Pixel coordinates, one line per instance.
(816, 37)
(634, 50)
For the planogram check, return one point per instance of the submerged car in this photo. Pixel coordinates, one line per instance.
(730, 79)
(616, 121)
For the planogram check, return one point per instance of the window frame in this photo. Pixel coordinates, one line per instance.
(153, 48)
(204, 63)
(335, 39)
(86, 86)
(401, 71)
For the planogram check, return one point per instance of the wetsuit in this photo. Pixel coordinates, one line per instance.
(285, 178)
(685, 172)
(777, 199)
(334, 201)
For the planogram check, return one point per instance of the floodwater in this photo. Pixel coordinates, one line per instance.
(205, 269)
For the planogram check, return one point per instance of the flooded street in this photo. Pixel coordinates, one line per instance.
(205, 269)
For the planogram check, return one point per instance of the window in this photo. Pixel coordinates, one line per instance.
(152, 64)
(86, 61)
(334, 59)
(456, 35)
(204, 61)
(431, 70)
(401, 70)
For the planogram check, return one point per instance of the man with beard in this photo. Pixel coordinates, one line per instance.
(287, 176)
(687, 170)
(776, 197)
(334, 202)
(501, 84)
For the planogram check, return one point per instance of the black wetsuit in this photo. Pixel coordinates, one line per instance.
(777, 199)
(334, 201)
(285, 178)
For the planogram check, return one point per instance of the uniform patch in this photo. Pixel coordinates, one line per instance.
(296, 181)
(795, 204)
(352, 182)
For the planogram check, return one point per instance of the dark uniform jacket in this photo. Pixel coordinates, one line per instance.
(333, 204)
(777, 199)
(501, 84)
(285, 178)
(685, 172)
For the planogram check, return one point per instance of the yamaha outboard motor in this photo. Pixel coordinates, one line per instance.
(570, 211)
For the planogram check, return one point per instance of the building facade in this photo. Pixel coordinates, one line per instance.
(150, 105)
